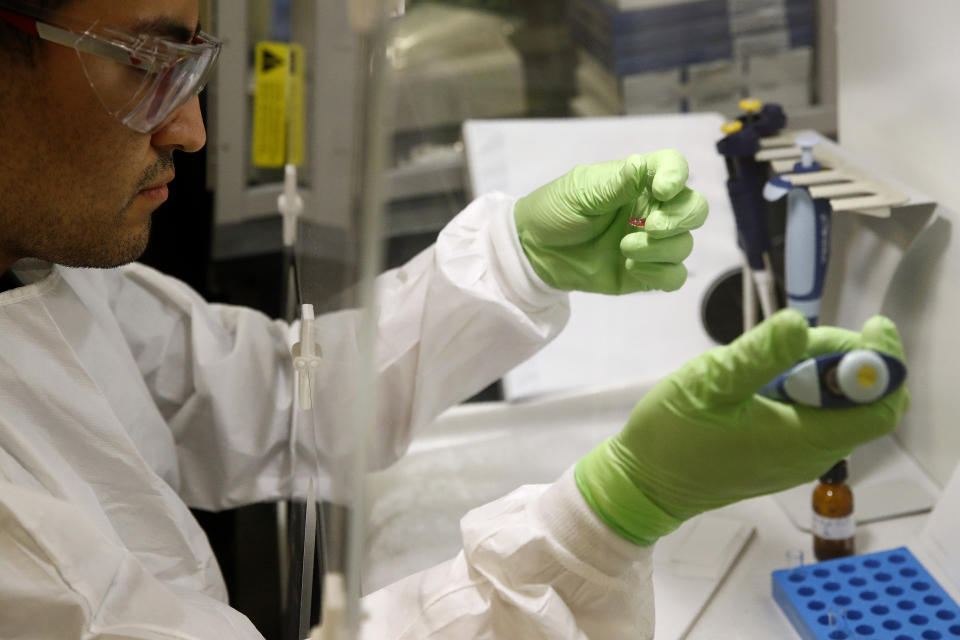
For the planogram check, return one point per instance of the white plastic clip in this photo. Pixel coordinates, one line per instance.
(290, 204)
(306, 361)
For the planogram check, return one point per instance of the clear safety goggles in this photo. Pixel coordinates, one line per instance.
(140, 79)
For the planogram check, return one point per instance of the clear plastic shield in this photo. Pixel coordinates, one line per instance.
(421, 405)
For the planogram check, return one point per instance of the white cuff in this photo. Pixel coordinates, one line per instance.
(567, 517)
(524, 282)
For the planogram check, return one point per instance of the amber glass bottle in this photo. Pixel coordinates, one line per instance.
(833, 514)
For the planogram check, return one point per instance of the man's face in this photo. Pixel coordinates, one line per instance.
(77, 187)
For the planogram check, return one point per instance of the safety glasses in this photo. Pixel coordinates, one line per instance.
(140, 79)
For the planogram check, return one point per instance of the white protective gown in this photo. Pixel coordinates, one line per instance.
(124, 397)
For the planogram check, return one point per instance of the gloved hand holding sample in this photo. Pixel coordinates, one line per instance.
(702, 438)
(576, 232)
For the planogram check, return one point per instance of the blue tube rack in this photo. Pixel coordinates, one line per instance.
(887, 595)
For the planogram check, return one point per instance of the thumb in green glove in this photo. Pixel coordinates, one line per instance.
(576, 234)
(702, 438)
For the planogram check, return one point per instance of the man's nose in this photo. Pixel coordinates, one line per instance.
(183, 130)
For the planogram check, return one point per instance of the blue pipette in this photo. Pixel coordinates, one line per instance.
(807, 243)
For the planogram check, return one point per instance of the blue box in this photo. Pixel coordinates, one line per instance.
(887, 595)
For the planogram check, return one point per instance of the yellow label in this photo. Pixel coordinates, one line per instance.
(278, 109)
(296, 109)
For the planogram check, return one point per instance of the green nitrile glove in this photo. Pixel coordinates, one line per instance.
(576, 232)
(702, 438)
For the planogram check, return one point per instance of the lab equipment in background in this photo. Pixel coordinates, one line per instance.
(807, 249)
(668, 56)
(306, 362)
(745, 189)
(278, 140)
(838, 379)
(832, 522)
(452, 63)
(889, 594)
(255, 248)
(828, 176)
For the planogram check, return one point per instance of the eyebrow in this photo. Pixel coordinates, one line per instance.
(168, 28)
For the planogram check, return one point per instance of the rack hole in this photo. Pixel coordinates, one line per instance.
(920, 585)
(945, 614)
(868, 595)
(806, 592)
(919, 620)
(816, 605)
(907, 605)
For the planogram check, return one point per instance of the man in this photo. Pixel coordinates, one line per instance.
(124, 397)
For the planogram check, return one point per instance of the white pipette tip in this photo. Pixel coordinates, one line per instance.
(806, 141)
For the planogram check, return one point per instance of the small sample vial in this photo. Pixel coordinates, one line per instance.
(794, 559)
(833, 514)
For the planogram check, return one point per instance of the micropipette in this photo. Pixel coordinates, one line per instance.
(843, 379)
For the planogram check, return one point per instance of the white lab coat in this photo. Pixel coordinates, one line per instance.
(124, 397)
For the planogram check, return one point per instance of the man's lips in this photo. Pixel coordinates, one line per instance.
(158, 191)
(159, 185)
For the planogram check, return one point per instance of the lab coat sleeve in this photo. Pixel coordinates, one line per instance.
(455, 318)
(62, 577)
(452, 320)
(537, 564)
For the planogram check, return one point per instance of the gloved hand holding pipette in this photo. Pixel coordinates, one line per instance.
(576, 231)
(703, 438)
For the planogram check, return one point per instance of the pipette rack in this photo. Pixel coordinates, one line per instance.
(848, 187)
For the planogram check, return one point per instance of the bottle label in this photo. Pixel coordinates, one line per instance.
(832, 528)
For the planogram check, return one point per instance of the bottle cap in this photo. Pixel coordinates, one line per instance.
(836, 474)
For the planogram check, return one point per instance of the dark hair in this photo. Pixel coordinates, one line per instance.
(19, 44)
